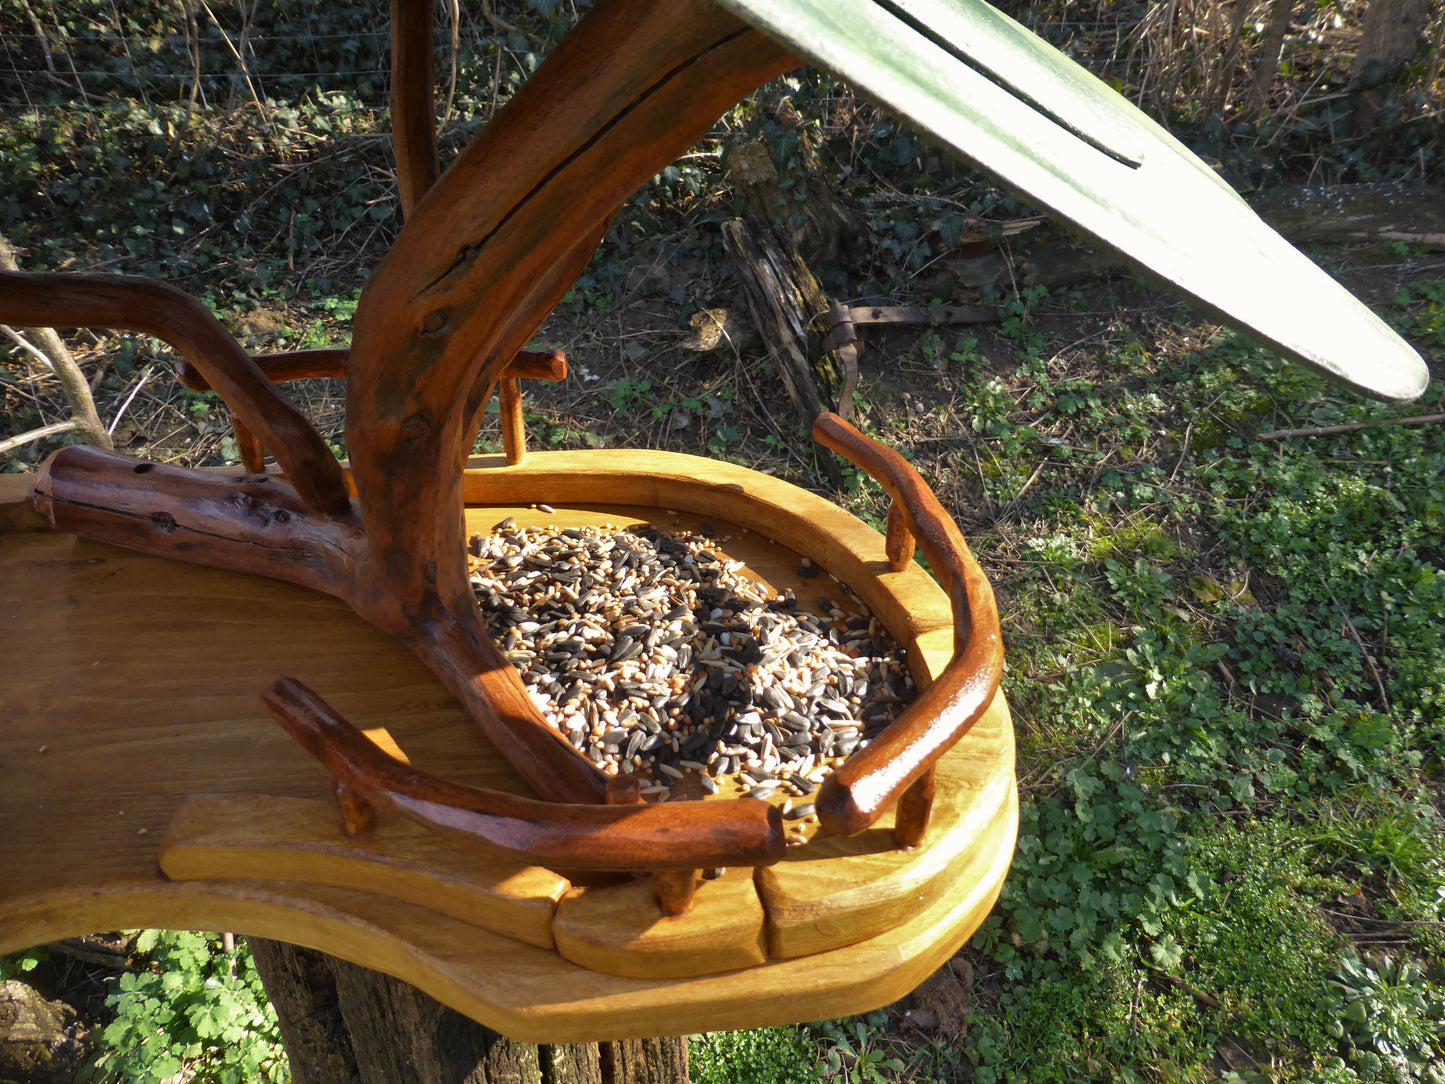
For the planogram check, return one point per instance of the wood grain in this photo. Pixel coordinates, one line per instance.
(622, 837)
(331, 362)
(783, 516)
(525, 992)
(263, 837)
(413, 101)
(514, 432)
(617, 929)
(246, 523)
(226, 519)
(173, 693)
(838, 890)
(258, 524)
(326, 362)
(495, 245)
(17, 511)
(784, 298)
(485, 254)
(486, 251)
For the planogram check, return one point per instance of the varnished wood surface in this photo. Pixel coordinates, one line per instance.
(331, 362)
(258, 524)
(617, 929)
(631, 837)
(17, 512)
(783, 520)
(280, 368)
(492, 248)
(528, 993)
(135, 681)
(413, 101)
(843, 890)
(259, 837)
(898, 760)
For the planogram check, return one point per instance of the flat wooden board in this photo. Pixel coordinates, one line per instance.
(260, 837)
(618, 929)
(132, 685)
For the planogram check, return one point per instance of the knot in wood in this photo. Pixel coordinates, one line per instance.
(434, 322)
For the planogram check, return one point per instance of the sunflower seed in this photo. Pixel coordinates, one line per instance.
(638, 646)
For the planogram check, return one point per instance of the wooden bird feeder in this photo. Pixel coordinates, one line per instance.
(413, 812)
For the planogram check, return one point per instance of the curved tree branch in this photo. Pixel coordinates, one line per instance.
(173, 316)
(413, 100)
(635, 84)
(902, 757)
(633, 838)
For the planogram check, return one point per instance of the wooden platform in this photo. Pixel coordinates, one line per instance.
(131, 716)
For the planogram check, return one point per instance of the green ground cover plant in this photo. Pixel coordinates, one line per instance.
(197, 1007)
(1226, 654)
(1224, 667)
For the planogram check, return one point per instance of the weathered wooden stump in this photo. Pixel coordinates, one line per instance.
(345, 1024)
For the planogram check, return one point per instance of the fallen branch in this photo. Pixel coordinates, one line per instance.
(1353, 427)
(932, 315)
(96, 949)
(56, 356)
(784, 296)
(30, 348)
(7, 446)
(1173, 980)
(1364, 654)
(1333, 214)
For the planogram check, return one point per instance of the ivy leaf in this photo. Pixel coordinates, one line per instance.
(950, 228)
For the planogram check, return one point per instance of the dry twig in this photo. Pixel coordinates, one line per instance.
(63, 364)
(1369, 661)
(1353, 427)
(10, 444)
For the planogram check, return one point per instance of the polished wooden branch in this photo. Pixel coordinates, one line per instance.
(166, 313)
(237, 521)
(258, 524)
(228, 824)
(485, 253)
(280, 367)
(413, 100)
(496, 243)
(626, 837)
(331, 362)
(900, 758)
